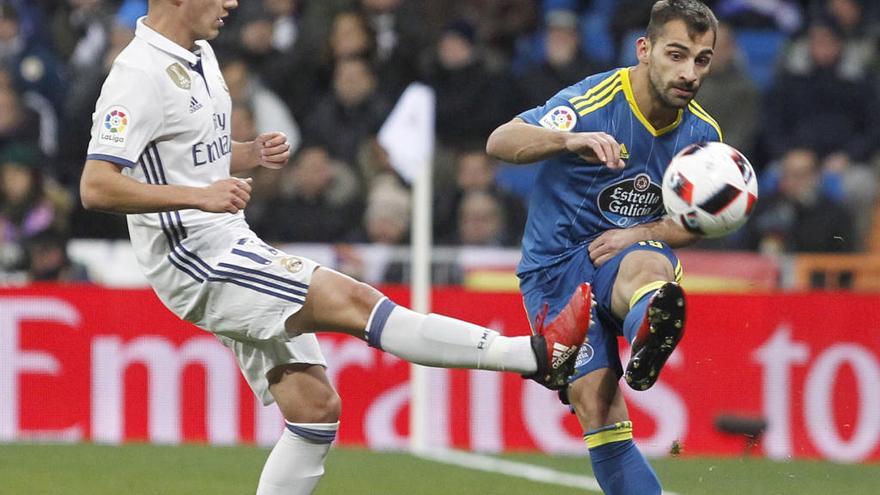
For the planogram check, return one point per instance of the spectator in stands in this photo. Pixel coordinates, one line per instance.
(481, 220)
(288, 36)
(79, 104)
(475, 172)
(30, 202)
(398, 40)
(799, 217)
(500, 25)
(837, 117)
(266, 185)
(471, 100)
(859, 37)
(81, 31)
(85, 85)
(564, 62)
(387, 217)
(46, 259)
(268, 111)
(628, 22)
(17, 122)
(34, 68)
(784, 15)
(351, 113)
(350, 36)
(318, 201)
(729, 95)
(284, 28)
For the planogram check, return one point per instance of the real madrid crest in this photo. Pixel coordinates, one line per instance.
(179, 76)
(292, 263)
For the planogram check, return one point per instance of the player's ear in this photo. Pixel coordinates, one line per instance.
(643, 49)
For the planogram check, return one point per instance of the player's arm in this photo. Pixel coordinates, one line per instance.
(520, 142)
(270, 150)
(103, 187)
(613, 241)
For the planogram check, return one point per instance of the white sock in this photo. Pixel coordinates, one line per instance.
(435, 340)
(297, 461)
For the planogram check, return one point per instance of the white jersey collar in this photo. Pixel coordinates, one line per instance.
(159, 41)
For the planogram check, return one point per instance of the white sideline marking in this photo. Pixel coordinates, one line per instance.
(530, 472)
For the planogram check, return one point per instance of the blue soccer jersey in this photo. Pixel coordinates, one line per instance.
(573, 201)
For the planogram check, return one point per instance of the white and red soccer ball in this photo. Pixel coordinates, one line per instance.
(710, 189)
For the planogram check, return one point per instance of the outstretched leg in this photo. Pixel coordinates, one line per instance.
(336, 302)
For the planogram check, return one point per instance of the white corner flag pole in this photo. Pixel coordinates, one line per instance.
(408, 138)
(421, 302)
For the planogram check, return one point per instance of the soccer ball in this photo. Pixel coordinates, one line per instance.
(710, 189)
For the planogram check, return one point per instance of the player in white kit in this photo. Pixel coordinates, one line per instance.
(161, 153)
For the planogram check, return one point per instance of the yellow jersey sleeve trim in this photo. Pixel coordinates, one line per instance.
(601, 103)
(605, 83)
(697, 110)
(679, 272)
(627, 90)
(598, 96)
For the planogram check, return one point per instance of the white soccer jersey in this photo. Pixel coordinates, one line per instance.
(164, 115)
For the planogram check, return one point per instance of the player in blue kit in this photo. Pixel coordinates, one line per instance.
(596, 215)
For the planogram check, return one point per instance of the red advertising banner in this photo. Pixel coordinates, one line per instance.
(88, 363)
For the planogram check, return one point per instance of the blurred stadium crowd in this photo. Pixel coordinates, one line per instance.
(793, 85)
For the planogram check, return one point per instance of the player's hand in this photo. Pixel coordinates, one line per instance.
(611, 242)
(273, 149)
(596, 147)
(226, 196)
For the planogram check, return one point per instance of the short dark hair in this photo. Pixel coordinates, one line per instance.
(698, 17)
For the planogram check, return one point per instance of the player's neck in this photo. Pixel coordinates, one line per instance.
(166, 24)
(649, 103)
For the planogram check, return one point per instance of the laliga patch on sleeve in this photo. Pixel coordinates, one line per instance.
(561, 118)
(114, 126)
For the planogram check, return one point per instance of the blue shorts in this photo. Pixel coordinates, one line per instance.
(551, 288)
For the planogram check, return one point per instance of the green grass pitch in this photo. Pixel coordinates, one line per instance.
(38, 469)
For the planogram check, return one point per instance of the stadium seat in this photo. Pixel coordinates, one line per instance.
(874, 232)
(761, 48)
(859, 272)
(596, 39)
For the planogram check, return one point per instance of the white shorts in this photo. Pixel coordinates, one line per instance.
(257, 358)
(248, 292)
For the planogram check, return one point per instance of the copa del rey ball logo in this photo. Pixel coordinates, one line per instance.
(113, 128)
(561, 118)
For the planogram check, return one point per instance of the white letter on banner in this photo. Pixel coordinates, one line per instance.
(379, 421)
(777, 356)
(819, 403)
(165, 364)
(15, 361)
(486, 410)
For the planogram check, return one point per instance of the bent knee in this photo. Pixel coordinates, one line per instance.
(324, 406)
(646, 265)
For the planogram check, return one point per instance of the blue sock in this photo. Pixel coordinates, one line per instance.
(618, 465)
(638, 305)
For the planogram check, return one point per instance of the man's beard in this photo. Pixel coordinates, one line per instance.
(664, 98)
